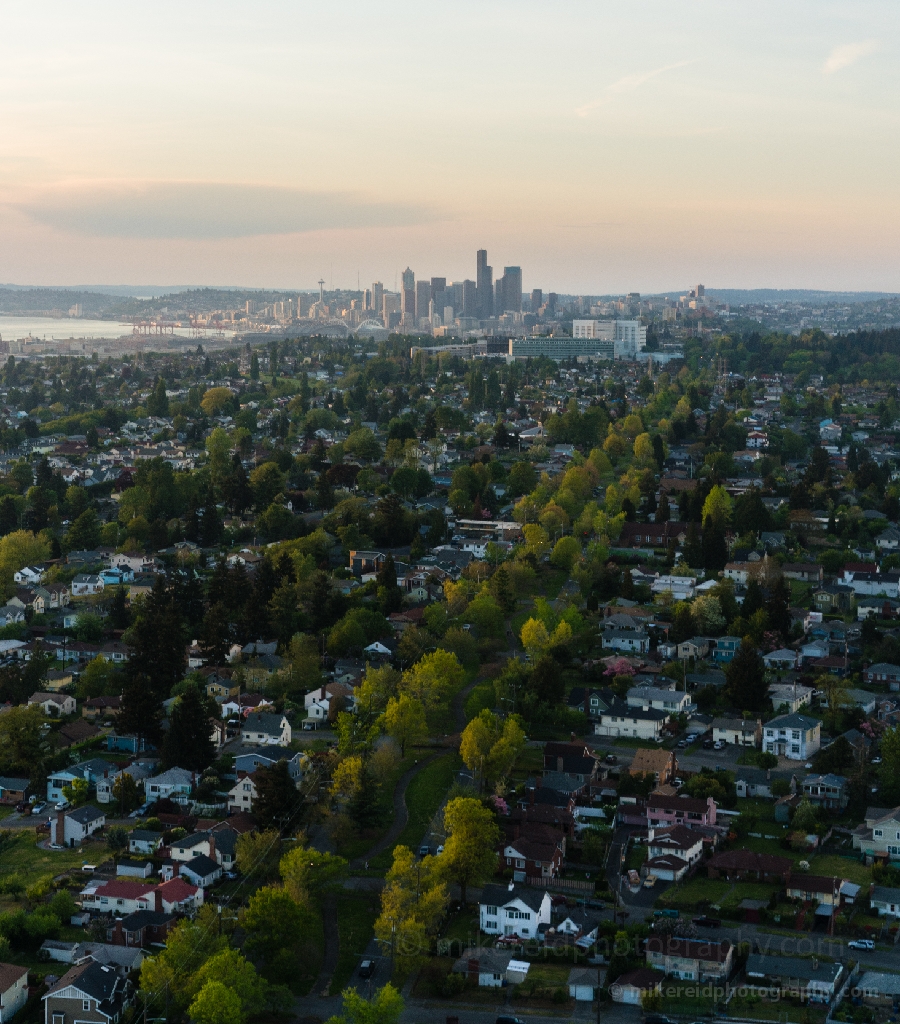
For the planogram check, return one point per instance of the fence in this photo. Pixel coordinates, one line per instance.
(566, 884)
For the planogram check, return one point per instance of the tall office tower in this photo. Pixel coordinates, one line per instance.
(249, 307)
(377, 296)
(484, 285)
(390, 309)
(469, 300)
(423, 299)
(367, 299)
(498, 296)
(408, 294)
(439, 292)
(701, 291)
(537, 299)
(551, 302)
(512, 289)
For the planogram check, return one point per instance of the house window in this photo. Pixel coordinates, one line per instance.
(59, 1018)
(491, 911)
(86, 1004)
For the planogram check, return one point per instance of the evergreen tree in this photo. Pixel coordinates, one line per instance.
(188, 742)
(9, 515)
(141, 712)
(746, 675)
(364, 808)
(254, 367)
(277, 799)
(778, 608)
(659, 451)
(390, 596)
(236, 490)
(715, 547)
(663, 512)
(215, 634)
(753, 599)
(157, 641)
(693, 551)
(119, 616)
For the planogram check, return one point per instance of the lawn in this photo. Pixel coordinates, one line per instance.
(357, 847)
(424, 796)
(636, 857)
(24, 858)
(695, 892)
(776, 1010)
(844, 867)
(356, 914)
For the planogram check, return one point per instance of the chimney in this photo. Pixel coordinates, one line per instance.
(572, 737)
(61, 828)
(118, 936)
(212, 846)
(473, 971)
(559, 764)
(157, 900)
(516, 831)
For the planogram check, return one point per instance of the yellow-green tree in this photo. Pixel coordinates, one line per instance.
(214, 400)
(472, 837)
(404, 720)
(433, 678)
(535, 638)
(537, 540)
(413, 902)
(489, 745)
(384, 1008)
(21, 547)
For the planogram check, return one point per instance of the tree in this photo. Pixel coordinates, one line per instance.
(126, 793)
(535, 638)
(21, 547)
(385, 1008)
(390, 596)
(307, 872)
(778, 607)
(805, 817)
(141, 710)
(566, 553)
(277, 799)
(21, 741)
(433, 678)
(413, 902)
(216, 1003)
(84, 533)
(215, 400)
(717, 506)
(472, 837)
(273, 922)
(888, 770)
(490, 746)
(404, 720)
(170, 974)
(834, 689)
(76, 792)
(257, 854)
(117, 838)
(188, 743)
(747, 679)
(706, 612)
(705, 784)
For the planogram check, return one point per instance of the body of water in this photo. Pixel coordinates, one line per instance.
(13, 328)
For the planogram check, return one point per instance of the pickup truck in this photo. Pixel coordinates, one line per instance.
(707, 922)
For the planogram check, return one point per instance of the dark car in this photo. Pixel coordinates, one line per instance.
(707, 744)
(23, 807)
(510, 1020)
(655, 1018)
(424, 851)
(366, 969)
(611, 759)
(707, 922)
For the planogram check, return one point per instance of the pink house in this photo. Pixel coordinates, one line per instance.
(663, 811)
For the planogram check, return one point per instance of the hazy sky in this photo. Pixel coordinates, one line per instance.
(602, 146)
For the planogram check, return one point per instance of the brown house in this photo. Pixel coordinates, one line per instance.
(89, 993)
(662, 764)
(744, 864)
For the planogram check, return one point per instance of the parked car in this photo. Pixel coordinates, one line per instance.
(23, 807)
(611, 759)
(655, 1018)
(707, 744)
(719, 745)
(706, 922)
(681, 744)
(37, 808)
(424, 851)
(677, 783)
(366, 969)
(63, 805)
(876, 760)
(440, 850)
(665, 913)
(861, 944)
(509, 1020)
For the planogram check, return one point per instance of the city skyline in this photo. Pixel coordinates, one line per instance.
(753, 146)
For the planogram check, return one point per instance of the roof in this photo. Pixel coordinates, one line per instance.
(489, 959)
(646, 760)
(738, 724)
(173, 776)
(640, 977)
(201, 866)
(125, 890)
(759, 965)
(676, 836)
(500, 895)
(176, 890)
(85, 815)
(19, 785)
(677, 803)
(690, 949)
(885, 894)
(874, 983)
(794, 721)
(584, 976)
(9, 975)
(95, 980)
(264, 721)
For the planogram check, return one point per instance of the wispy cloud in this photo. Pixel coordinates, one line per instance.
(843, 56)
(179, 209)
(627, 84)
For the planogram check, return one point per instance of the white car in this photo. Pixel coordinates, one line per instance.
(63, 805)
(861, 944)
(719, 745)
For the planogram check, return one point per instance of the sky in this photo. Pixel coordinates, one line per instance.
(641, 145)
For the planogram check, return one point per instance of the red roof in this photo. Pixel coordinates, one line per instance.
(176, 890)
(125, 890)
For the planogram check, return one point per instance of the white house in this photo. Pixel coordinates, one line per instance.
(53, 704)
(795, 736)
(792, 697)
(673, 702)
(242, 795)
(621, 720)
(627, 640)
(176, 784)
(513, 910)
(675, 840)
(13, 990)
(142, 840)
(780, 660)
(68, 828)
(885, 901)
(583, 984)
(85, 584)
(266, 729)
(739, 732)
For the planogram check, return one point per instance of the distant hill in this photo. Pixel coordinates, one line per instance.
(737, 296)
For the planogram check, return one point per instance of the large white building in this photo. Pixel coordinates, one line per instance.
(629, 337)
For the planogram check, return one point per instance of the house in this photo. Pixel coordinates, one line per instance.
(264, 729)
(745, 865)
(663, 811)
(76, 732)
(888, 540)
(667, 867)
(53, 704)
(318, 702)
(825, 891)
(835, 597)
(101, 707)
(513, 910)
(201, 871)
(675, 840)
(141, 929)
(794, 736)
(242, 795)
(13, 991)
(619, 719)
(790, 698)
(176, 784)
(782, 660)
(631, 987)
(739, 732)
(222, 686)
(661, 763)
(123, 898)
(879, 989)
(89, 993)
(800, 977)
(90, 771)
(629, 641)
(532, 858)
(141, 840)
(885, 901)
(673, 702)
(805, 572)
(690, 959)
(883, 673)
(13, 790)
(364, 562)
(696, 647)
(725, 648)
(828, 791)
(29, 575)
(137, 770)
(879, 835)
(583, 984)
(750, 781)
(580, 924)
(86, 584)
(247, 761)
(68, 828)
(492, 968)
